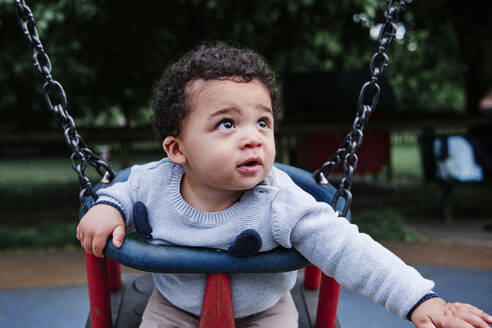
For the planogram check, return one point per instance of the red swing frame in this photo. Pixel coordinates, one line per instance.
(104, 276)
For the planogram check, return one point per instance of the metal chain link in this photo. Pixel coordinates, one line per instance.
(366, 104)
(56, 101)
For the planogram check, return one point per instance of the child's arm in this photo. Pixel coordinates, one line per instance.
(97, 225)
(436, 313)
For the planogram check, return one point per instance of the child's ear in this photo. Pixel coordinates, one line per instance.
(172, 148)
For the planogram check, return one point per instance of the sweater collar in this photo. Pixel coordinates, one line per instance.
(192, 213)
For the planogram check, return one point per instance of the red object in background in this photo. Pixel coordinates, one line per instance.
(326, 315)
(316, 148)
(98, 284)
(217, 311)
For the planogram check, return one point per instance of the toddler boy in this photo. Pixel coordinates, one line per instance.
(215, 111)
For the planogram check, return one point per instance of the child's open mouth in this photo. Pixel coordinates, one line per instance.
(250, 165)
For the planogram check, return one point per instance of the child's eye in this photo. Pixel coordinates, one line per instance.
(263, 123)
(225, 124)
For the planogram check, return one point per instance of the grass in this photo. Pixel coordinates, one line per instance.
(385, 224)
(52, 234)
(27, 172)
(24, 173)
(406, 163)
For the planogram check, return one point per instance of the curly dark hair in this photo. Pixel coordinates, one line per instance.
(209, 61)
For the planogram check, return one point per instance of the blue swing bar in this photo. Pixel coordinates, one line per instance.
(104, 274)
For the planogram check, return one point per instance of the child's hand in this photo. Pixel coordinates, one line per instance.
(97, 225)
(436, 313)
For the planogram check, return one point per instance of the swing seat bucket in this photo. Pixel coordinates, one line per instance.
(126, 303)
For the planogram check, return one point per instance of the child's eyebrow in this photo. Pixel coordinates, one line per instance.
(223, 112)
(265, 108)
(228, 110)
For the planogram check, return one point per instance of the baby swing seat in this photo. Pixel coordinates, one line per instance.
(128, 301)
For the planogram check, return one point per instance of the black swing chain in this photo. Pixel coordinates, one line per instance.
(366, 104)
(81, 154)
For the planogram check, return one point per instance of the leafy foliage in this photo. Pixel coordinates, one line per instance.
(108, 54)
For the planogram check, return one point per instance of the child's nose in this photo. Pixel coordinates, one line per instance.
(251, 139)
(252, 144)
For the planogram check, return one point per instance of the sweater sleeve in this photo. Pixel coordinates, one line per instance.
(121, 195)
(352, 258)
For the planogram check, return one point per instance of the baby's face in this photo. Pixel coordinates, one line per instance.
(227, 138)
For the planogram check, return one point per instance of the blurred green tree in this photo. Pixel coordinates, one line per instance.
(108, 54)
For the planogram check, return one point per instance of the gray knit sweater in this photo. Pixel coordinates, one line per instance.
(283, 214)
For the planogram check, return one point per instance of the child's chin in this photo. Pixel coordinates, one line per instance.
(252, 185)
(246, 183)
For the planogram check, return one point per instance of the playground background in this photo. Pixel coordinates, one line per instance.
(108, 54)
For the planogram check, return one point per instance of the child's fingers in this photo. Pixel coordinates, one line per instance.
(474, 319)
(80, 235)
(427, 324)
(481, 314)
(458, 323)
(486, 317)
(472, 315)
(118, 235)
(470, 307)
(87, 244)
(98, 245)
